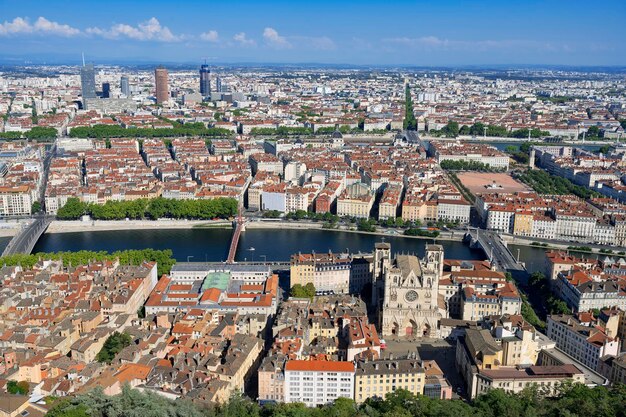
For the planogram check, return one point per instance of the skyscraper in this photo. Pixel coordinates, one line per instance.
(218, 85)
(106, 90)
(161, 81)
(205, 80)
(87, 82)
(125, 86)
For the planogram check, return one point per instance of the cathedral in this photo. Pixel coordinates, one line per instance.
(406, 291)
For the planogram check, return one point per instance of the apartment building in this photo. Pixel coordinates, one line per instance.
(377, 378)
(389, 203)
(356, 200)
(581, 338)
(585, 290)
(472, 290)
(326, 271)
(316, 383)
(492, 358)
(16, 200)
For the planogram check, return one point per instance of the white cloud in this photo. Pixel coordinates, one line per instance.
(210, 36)
(42, 26)
(150, 30)
(243, 40)
(273, 39)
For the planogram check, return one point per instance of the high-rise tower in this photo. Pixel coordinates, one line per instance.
(125, 86)
(106, 90)
(87, 82)
(205, 80)
(162, 89)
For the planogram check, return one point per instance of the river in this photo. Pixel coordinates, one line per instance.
(271, 245)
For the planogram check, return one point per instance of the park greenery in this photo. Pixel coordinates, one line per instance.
(163, 258)
(40, 133)
(572, 400)
(366, 225)
(302, 291)
(18, 388)
(410, 122)
(155, 208)
(460, 165)
(116, 131)
(309, 215)
(544, 183)
(517, 154)
(414, 231)
(452, 130)
(112, 346)
(281, 131)
(539, 286)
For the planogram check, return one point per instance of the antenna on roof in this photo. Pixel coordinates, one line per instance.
(83, 58)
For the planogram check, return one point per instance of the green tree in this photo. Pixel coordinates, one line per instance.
(72, 209)
(19, 388)
(112, 346)
(36, 207)
(594, 132)
(299, 291)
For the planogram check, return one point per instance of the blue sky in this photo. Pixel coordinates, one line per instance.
(423, 33)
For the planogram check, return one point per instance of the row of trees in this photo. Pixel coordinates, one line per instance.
(461, 165)
(544, 183)
(40, 133)
(421, 232)
(452, 130)
(155, 208)
(572, 400)
(410, 122)
(116, 131)
(281, 131)
(163, 258)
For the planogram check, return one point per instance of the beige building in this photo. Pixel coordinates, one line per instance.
(376, 379)
(16, 200)
(272, 379)
(390, 202)
(242, 354)
(499, 359)
(513, 380)
(356, 200)
(326, 271)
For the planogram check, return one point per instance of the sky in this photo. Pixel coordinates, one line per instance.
(387, 33)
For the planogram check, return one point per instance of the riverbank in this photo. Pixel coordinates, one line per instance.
(8, 231)
(69, 226)
(300, 225)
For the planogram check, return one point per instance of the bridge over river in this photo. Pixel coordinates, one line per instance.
(26, 238)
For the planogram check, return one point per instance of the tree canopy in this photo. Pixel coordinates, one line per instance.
(300, 291)
(163, 258)
(572, 400)
(155, 208)
(112, 346)
(116, 131)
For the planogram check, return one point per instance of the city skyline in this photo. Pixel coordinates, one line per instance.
(452, 33)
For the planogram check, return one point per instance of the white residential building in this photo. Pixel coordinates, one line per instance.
(582, 341)
(316, 383)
